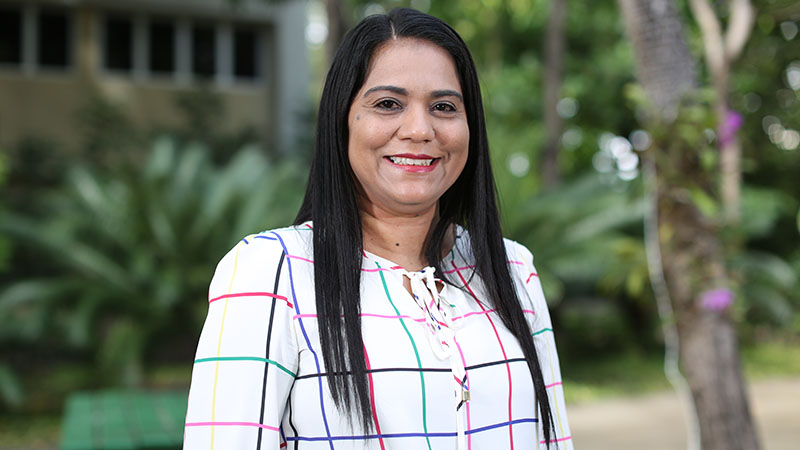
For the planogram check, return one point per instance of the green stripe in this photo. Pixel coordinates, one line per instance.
(542, 331)
(246, 358)
(416, 353)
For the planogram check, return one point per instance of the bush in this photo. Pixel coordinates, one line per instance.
(133, 250)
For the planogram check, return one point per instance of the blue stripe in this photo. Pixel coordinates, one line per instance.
(403, 435)
(308, 342)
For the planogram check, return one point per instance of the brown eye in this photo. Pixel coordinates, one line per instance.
(388, 104)
(444, 107)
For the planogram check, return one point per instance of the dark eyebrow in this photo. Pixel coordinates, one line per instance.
(402, 91)
(395, 89)
(447, 93)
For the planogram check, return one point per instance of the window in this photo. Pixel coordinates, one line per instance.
(53, 39)
(245, 56)
(203, 51)
(10, 35)
(161, 47)
(118, 44)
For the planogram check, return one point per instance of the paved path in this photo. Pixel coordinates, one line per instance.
(656, 421)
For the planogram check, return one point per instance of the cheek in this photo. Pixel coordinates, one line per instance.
(459, 144)
(366, 136)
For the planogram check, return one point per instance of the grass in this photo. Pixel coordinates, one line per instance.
(29, 432)
(631, 374)
(772, 359)
(624, 374)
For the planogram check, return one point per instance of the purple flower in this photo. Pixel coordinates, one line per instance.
(727, 130)
(716, 299)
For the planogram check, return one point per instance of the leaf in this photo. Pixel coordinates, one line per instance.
(761, 210)
(32, 291)
(11, 391)
(121, 351)
(707, 205)
(762, 267)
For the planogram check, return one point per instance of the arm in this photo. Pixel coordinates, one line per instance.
(532, 297)
(247, 353)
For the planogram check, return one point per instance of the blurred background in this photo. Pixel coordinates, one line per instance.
(141, 139)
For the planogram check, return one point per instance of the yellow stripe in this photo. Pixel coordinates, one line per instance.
(555, 388)
(550, 346)
(219, 346)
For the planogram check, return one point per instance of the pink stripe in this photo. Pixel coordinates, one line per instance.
(300, 258)
(469, 424)
(557, 440)
(415, 319)
(533, 274)
(485, 311)
(381, 269)
(363, 270)
(458, 268)
(551, 385)
(502, 349)
(380, 316)
(253, 294)
(372, 398)
(234, 424)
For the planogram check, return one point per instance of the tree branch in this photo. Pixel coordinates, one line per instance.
(712, 37)
(742, 18)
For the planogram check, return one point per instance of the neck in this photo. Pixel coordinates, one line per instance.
(399, 238)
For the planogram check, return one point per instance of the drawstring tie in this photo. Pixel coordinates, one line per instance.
(441, 337)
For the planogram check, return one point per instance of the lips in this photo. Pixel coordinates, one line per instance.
(413, 163)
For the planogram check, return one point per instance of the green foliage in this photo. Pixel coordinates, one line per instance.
(133, 251)
(768, 281)
(585, 237)
(579, 232)
(5, 249)
(11, 391)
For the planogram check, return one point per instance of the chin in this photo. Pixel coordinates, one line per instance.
(416, 204)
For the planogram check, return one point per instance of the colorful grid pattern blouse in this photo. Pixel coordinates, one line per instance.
(259, 380)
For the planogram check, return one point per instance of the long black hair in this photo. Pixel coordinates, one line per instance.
(330, 202)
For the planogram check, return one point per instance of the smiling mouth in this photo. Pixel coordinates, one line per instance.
(411, 161)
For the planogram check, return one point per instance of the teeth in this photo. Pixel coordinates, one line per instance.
(410, 162)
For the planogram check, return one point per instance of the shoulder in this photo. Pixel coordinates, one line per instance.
(520, 261)
(257, 258)
(517, 252)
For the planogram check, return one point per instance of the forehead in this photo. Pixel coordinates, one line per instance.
(412, 63)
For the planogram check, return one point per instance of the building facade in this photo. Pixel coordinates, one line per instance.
(56, 54)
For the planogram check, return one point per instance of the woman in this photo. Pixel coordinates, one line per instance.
(335, 333)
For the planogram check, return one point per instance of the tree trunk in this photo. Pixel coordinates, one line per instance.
(555, 45)
(337, 27)
(693, 265)
(692, 257)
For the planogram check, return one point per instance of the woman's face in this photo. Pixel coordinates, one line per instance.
(409, 136)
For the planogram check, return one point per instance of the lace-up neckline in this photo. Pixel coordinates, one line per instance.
(441, 330)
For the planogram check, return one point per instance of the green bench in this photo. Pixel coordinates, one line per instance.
(124, 419)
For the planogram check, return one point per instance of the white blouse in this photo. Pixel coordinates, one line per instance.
(443, 371)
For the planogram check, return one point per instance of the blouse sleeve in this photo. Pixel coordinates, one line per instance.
(247, 356)
(542, 329)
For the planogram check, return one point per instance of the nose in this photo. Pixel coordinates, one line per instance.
(416, 125)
